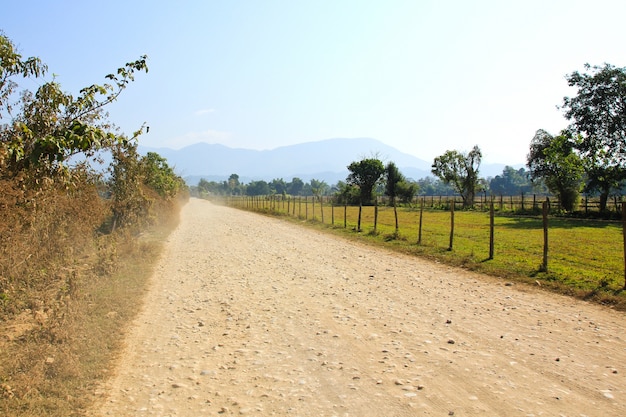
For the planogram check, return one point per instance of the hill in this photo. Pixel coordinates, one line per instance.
(325, 160)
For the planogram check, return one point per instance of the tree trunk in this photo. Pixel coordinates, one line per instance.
(604, 198)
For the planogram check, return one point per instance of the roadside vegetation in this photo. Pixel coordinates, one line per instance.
(77, 236)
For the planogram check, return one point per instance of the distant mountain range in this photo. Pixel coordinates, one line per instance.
(325, 160)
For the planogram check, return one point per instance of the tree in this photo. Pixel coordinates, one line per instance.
(433, 186)
(159, 176)
(393, 179)
(319, 188)
(258, 188)
(553, 160)
(460, 170)
(295, 187)
(407, 190)
(598, 116)
(511, 182)
(233, 183)
(51, 125)
(278, 186)
(364, 175)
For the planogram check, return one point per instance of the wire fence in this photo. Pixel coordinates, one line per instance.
(542, 242)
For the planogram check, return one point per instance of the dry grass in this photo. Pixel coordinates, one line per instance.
(66, 294)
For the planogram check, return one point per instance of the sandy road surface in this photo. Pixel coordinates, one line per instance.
(249, 315)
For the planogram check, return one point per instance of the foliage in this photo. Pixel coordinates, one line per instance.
(54, 231)
(460, 170)
(365, 174)
(233, 184)
(393, 179)
(278, 186)
(258, 188)
(295, 187)
(598, 116)
(433, 186)
(318, 188)
(159, 176)
(511, 182)
(553, 160)
(51, 126)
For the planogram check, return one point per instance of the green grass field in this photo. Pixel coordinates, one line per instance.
(585, 257)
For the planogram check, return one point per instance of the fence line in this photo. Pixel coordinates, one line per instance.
(326, 211)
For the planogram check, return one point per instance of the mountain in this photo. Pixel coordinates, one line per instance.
(325, 160)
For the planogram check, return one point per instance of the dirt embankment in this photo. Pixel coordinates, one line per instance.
(249, 315)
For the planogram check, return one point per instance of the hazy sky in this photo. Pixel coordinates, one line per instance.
(422, 76)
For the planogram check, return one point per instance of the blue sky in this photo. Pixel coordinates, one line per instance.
(422, 76)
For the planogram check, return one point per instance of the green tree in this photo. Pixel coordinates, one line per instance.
(365, 175)
(460, 170)
(51, 125)
(159, 176)
(598, 116)
(130, 204)
(553, 160)
(393, 179)
(511, 182)
(258, 188)
(407, 190)
(295, 187)
(233, 183)
(278, 186)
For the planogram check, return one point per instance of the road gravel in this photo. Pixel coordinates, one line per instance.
(253, 315)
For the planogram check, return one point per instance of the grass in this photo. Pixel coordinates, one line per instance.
(586, 257)
(53, 366)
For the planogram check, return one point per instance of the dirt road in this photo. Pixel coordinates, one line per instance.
(249, 315)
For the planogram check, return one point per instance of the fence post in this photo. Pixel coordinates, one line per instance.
(491, 227)
(451, 224)
(375, 214)
(345, 214)
(419, 233)
(624, 234)
(546, 209)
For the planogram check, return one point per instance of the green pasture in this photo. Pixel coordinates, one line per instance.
(585, 257)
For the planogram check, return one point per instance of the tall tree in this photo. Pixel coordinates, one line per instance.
(553, 160)
(393, 181)
(598, 116)
(365, 174)
(233, 183)
(460, 170)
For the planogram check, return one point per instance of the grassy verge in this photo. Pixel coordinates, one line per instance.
(51, 361)
(586, 258)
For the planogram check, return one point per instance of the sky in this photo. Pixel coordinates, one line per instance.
(422, 76)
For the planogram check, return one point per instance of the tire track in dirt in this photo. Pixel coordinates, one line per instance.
(250, 315)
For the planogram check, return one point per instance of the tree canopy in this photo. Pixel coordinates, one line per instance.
(50, 125)
(553, 160)
(598, 121)
(460, 170)
(365, 174)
